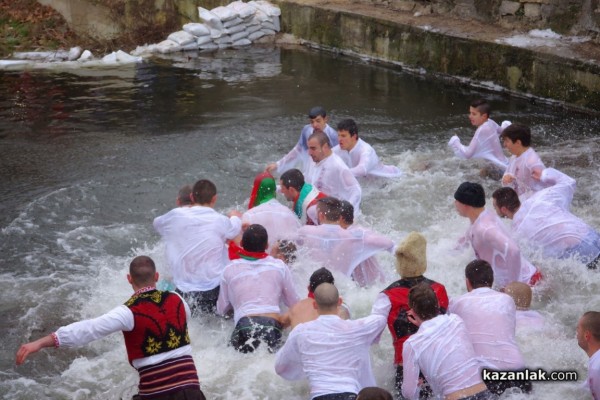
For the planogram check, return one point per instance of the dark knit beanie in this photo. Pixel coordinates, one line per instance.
(471, 194)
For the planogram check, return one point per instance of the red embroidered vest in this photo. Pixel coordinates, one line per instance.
(399, 325)
(160, 324)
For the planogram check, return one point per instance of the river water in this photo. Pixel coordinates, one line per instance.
(88, 159)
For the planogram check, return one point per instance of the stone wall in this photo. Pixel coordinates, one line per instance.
(576, 17)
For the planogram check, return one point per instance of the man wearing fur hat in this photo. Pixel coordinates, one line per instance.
(411, 263)
(491, 240)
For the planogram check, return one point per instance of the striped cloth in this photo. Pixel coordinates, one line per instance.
(168, 377)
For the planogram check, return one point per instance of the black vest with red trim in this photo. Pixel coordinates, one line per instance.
(400, 327)
(160, 324)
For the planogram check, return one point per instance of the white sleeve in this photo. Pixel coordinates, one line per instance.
(382, 305)
(288, 363)
(234, 228)
(352, 187)
(290, 296)
(81, 333)
(410, 383)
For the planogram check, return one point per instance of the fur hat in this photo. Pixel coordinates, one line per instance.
(471, 194)
(411, 256)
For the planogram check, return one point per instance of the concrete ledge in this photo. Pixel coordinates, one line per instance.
(352, 29)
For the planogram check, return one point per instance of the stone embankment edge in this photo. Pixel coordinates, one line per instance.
(556, 80)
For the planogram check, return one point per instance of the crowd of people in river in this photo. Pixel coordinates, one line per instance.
(238, 266)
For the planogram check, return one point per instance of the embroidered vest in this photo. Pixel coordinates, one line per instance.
(160, 324)
(399, 325)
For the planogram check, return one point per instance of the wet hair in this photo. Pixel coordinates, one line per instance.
(507, 197)
(516, 132)
(183, 196)
(255, 239)
(142, 271)
(327, 296)
(479, 273)
(348, 125)
(482, 106)
(317, 111)
(331, 207)
(591, 322)
(423, 301)
(292, 178)
(347, 212)
(374, 393)
(321, 137)
(204, 191)
(322, 275)
(288, 250)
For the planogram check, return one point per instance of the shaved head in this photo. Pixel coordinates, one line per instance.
(327, 297)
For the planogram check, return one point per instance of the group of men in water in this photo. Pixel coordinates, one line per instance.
(239, 266)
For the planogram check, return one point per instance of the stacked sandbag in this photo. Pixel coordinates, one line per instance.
(234, 25)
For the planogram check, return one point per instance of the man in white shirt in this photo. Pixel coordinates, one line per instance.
(264, 209)
(253, 286)
(490, 319)
(358, 155)
(149, 316)
(195, 243)
(441, 350)
(486, 141)
(341, 250)
(544, 219)
(328, 173)
(331, 352)
(491, 240)
(303, 195)
(299, 154)
(588, 338)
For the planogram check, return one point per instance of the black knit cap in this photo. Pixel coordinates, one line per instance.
(471, 194)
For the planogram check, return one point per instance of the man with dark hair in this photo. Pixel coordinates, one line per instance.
(195, 239)
(411, 264)
(328, 173)
(184, 196)
(588, 338)
(253, 286)
(441, 350)
(485, 143)
(545, 221)
(358, 155)
(524, 165)
(299, 154)
(303, 311)
(332, 353)
(304, 195)
(341, 250)
(150, 316)
(490, 318)
(491, 240)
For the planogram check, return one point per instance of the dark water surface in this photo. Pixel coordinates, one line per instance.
(88, 158)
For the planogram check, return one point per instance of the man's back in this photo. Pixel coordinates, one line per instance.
(490, 318)
(279, 221)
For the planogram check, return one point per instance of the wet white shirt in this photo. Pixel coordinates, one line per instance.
(299, 154)
(332, 353)
(343, 250)
(442, 351)
(118, 319)
(363, 161)
(333, 177)
(521, 168)
(256, 287)
(279, 221)
(485, 144)
(593, 379)
(492, 242)
(544, 220)
(369, 271)
(490, 319)
(195, 245)
(530, 321)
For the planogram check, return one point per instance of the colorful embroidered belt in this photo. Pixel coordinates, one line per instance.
(169, 376)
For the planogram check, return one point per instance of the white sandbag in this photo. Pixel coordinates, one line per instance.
(260, 16)
(268, 25)
(85, 56)
(268, 31)
(269, 8)
(225, 39)
(224, 45)
(203, 40)
(244, 10)
(7, 64)
(233, 22)
(252, 28)
(74, 53)
(190, 46)
(256, 35)
(210, 18)
(242, 42)
(209, 46)
(276, 23)
(235, 29)
(110, 58)
(167, 46)
(182, 38)
(216, 33)
(240, 35)
(197, 29)
(124, 57)
(224, 13)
